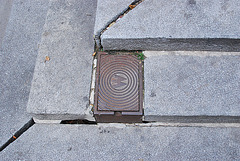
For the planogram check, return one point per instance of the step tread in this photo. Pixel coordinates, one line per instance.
(191, 84)
(61, 83)
(177, 25)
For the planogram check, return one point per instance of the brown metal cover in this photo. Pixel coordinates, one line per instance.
(118, 94)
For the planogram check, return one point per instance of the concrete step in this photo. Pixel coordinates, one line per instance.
(62, 77)
(175, 25)
(124, 142)
(179, 86)
(192, 86)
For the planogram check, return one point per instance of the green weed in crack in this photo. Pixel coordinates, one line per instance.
(140, 55)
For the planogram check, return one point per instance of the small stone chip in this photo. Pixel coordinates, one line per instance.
(132, 6)
(47, 58)
(111, 24)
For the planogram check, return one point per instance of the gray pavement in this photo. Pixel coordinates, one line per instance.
(107, 10)
(17, 62)
(191, 84)
(91, 142)
(177, 25)
(61, 85)
(65, 29)
(5, 10)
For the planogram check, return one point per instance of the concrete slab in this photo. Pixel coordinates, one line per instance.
(17, 60)
(87, 142)
(5, 10)
(61, 83)
(193, 84)
(177, 25)
(107, 10)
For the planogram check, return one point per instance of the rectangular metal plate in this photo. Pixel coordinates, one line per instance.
(119, 86)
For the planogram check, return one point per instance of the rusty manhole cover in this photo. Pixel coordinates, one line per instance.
(118, 94)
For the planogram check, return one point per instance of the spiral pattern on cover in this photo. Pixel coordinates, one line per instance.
(118, 83)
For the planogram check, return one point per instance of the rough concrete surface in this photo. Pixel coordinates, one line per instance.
(201, 84)
(5, 10)
(61, 84)
(107, 10)
(177, 25)
(17, 60)
(90, 142)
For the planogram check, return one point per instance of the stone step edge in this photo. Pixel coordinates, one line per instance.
(56, 117)
(171, 44)
(192, 119)
(47, 118)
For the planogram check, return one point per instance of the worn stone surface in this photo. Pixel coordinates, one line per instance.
(177, 25)
(5, 10)
(61, 84)
(107, 10)
(191, 84)
(17, 60)
(87, 142)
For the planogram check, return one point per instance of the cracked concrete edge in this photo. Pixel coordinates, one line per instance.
(44, 116)
(46, 121)
(94, 68)
(151, 124)
(89, 111)
(98, 32)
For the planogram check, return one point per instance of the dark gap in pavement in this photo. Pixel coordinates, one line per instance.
(92, 122)
(18, 133)
(114, 20)
(77, 122)
(147, 122)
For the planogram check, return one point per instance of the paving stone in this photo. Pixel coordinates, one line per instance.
(191, 84)
(97, 142)
(61, 83)
(177, 25)
(17, 60)
(107, 10)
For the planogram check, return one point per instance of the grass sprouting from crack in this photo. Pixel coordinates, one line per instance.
(140, 55)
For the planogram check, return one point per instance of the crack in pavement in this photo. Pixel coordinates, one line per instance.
(25, 127)
(130, 7)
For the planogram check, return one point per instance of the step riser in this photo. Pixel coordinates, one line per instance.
(165, 44)
(193, 119)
